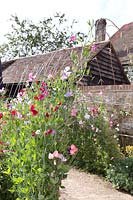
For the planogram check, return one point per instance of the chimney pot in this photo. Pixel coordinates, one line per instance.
(100, 30)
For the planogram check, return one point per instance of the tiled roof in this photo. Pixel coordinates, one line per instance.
(122, 41)
(15, 71)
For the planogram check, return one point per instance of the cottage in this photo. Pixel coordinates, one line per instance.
(103, 64)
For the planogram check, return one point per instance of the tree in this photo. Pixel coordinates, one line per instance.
(27, 38)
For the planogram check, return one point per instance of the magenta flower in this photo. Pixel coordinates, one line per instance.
(41, 97)
(50, 131)
(44, 84)
(93, 47)
(72, 38)
(30, 78)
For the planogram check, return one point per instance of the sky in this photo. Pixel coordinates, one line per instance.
(119, 11)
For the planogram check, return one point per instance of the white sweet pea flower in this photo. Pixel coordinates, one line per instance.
(50, 156)
(66, 73)
(2, 90)
(87, 116)
(38, 132)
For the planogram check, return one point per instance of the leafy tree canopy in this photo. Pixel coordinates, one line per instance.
(27, 38)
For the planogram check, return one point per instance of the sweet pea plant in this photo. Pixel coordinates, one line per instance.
(46, 127)
(33, 137)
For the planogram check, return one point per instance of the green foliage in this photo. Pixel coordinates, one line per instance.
(5, 182)
(27, 38)
(37, 142)
(97, 142)
(121, 174)
(129, 151)
(45, 126)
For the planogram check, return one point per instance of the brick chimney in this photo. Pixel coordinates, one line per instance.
(100, 30)
(0, 74)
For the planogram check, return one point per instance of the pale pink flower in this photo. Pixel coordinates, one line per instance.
(66, 73)
(90, 94)
(31, 77)
(56, 154)
(100, 93)
(73, 149)
(81, 122)
(50, 75)
(74, 112)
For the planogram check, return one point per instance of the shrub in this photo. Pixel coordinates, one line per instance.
(121, 174)
(97, 142)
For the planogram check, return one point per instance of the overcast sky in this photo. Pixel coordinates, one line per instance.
(119, 11)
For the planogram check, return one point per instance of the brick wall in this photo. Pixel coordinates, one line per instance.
(116, 98)
(115, 95)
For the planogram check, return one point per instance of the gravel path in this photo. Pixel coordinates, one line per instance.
(82, 186)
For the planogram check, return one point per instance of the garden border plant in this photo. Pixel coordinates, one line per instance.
(45, 126)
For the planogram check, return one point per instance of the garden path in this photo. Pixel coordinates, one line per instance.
(82, 186)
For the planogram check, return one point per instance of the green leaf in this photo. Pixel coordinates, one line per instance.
(18, 180)
(54, 180)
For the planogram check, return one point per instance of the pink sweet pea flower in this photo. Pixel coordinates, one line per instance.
(74, 112)
(44, 84)
(72, 149)
(31, 77)
(50, 75)
(110, 123)
(72, 38)
(93, 47)
(56, 154)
